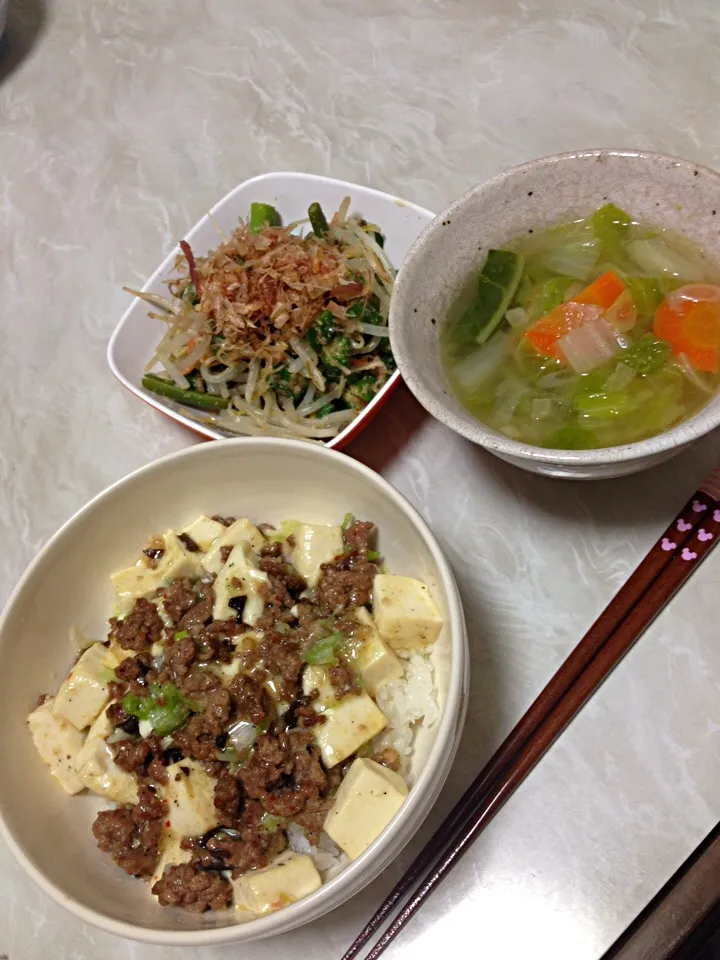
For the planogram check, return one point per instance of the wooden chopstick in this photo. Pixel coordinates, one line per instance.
(670, 561)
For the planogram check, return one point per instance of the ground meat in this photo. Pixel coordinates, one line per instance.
(193, 889)
(218, 708)
(225, 521)
(132, 755)
(156, 770)
(270, 762)
(43, 698)
(179, 657)
(305, 612)
(257, 847)
(197, 616)
(282, 658)
(214, 641)
(284, 583)
(302, 800)
(188, 542)
(132, 835)
(228, 797)
(178, 598)
(135, 755)
(140, 629)
(252, 701)
(200, 680)
(197, 738)
(308, 717)
(358, 533)
(116, 715)
(313, 815)
(285, 573)
(132, 671)
(343, 681)
(225, 553)
(345, 582)
(307, 769)
(389, 758)
(273, 549)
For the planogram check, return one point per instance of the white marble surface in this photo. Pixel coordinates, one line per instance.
(120, 123)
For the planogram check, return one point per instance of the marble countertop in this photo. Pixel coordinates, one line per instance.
(120, 124)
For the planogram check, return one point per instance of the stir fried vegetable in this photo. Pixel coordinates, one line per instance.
(277, 331)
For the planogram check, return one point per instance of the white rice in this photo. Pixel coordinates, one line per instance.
(327, 857)
(406, 702)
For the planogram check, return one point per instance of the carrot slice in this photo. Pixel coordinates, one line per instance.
(602, 292)
(689, 320)
(545, 332)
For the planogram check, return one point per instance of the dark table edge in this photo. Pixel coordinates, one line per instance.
(683, 916)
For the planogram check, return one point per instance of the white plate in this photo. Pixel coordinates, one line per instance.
(134, 340)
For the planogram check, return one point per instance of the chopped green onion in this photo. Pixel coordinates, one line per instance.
(348, 521)
(165, 708)
(270, 823)
(324, 652)
(287, 528)
(181, 634)
(228, 755)
(262, 215)
(373, 555)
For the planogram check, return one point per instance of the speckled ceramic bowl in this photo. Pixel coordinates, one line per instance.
(68, 585)
(657, 189)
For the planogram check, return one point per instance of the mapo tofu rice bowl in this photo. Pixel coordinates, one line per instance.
(254, 711)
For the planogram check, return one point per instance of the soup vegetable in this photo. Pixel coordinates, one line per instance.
(592, 334)
(252, 713)
(276, 332)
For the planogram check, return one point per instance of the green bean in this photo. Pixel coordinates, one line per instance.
(318, 220)
(191, 398)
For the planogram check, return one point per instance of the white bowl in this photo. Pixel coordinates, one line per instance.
(135, 338)
(665, 191)
(68, 585)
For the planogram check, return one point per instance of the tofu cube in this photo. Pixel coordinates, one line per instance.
(405, 613)
(314, 544)
(115, 654)
(143, 581)
(58, 743)
(97, 769)
(240, 577)
(242, 531)
(366, 801)
(205, 531)
(171, 853)
(190, 796)
(349, 723)
(289, 879)
(84, 693)
(372, 658)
